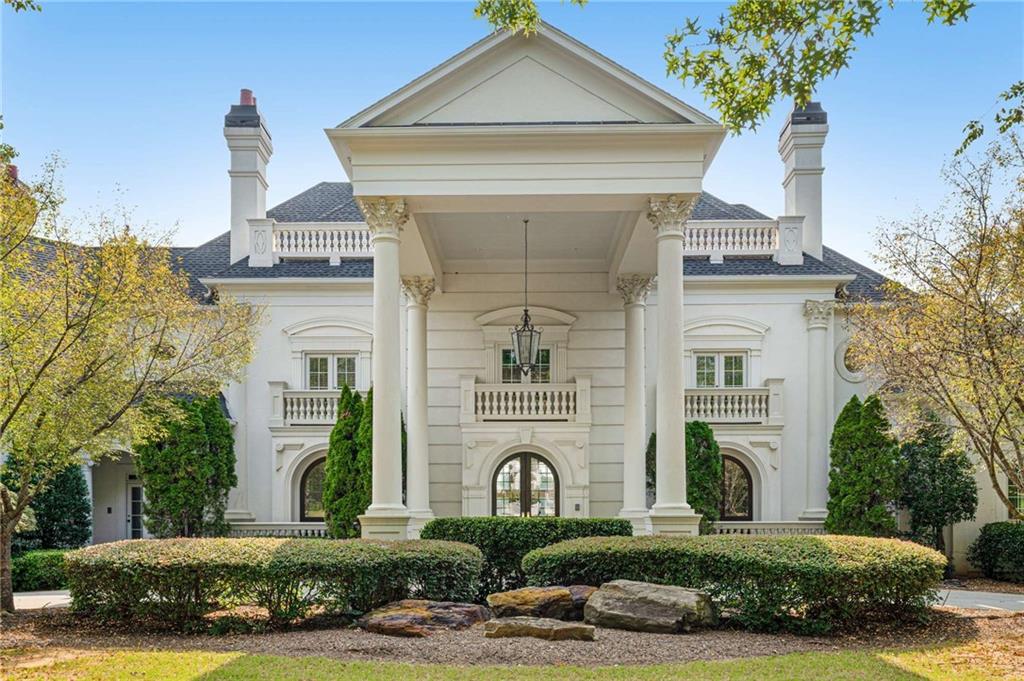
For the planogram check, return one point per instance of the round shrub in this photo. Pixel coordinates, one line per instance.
(41, 570)
(178, 580)
(999, 551)
(505, 540)
(808, 584)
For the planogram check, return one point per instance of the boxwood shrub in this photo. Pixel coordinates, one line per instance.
(504, 541)
(179, 580)
(807, 584)
(41, 570)
(999, 551)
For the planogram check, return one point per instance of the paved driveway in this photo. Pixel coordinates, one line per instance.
(32, 600)
(981, 600)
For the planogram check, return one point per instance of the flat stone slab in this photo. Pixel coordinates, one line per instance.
(556, 602)
(655, 608)
(419, 618)
(538, 627)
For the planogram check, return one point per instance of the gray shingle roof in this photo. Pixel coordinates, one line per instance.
(349, 268)
(867, 286)
(324, 202)
(204, 261)
(710, 207)
(755, 266)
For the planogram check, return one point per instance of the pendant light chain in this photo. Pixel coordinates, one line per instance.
(526, 264)
(526, 337)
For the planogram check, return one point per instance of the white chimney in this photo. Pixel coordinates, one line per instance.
(249, 143)
(800, 145)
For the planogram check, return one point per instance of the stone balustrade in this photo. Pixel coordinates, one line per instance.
(565, 402)
(312, 242)
(293, 529)
(302, 407)
(768, 527)
(782, 239)
(761, 405)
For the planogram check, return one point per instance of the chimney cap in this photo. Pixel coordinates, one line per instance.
(244, 114)
(811, 114)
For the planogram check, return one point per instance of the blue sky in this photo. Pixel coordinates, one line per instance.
(132, 97)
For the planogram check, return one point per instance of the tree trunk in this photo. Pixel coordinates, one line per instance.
(6, 586)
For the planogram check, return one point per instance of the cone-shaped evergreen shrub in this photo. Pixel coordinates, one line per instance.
(340, 471)
(188, 471)
(864, 475)
(62, 513)
(175, 470)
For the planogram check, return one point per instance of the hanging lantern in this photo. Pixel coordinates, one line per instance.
(526, 337)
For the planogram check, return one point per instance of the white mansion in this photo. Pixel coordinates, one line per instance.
(658, 303)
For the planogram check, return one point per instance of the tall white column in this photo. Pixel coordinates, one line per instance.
(634, 289)
(387, 517)
(418, 291)
(819, 319)
(670, 513)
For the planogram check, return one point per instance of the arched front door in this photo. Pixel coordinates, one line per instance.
(525, 484)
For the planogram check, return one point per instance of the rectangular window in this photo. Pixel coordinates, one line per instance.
(317, 376)
(706, 374)
(345, 372)
(510, 372)
(330, 372)
(719, 370)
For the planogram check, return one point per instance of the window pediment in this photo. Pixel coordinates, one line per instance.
(328, 326)
(726, 327)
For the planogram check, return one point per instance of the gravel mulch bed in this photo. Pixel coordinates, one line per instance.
(53, 631)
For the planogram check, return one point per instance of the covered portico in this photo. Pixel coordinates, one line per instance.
(606, 167)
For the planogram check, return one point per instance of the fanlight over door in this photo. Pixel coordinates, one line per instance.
(525, 485)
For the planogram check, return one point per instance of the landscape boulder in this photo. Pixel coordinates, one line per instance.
(557, 602)
(656, 608)
(418, 618)
(538, 627)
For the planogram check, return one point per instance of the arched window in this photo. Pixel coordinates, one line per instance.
(525, 484)
(737, 491)
(311, 493)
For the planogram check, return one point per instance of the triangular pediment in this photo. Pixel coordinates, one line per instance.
(544, 78)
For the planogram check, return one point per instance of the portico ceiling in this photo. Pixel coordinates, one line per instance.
(496, 238)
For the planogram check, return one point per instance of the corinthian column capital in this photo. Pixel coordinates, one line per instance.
(818, 313)
(384, 215)
(418, 289)
(634, 287)
(669, 214)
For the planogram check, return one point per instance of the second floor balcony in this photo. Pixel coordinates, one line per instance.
(548, 402)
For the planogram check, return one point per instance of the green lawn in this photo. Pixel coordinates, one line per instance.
(963, 662)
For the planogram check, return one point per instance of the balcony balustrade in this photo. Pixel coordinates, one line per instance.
(761, 405)
(565, 402)
(313, 242)
(781, 239)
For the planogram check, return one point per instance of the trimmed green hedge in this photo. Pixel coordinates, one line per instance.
(504, 541)
(808, 584)
(178, 580)
(999, 551)
(41, 570)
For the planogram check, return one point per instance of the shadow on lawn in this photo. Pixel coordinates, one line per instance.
(842, 666)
